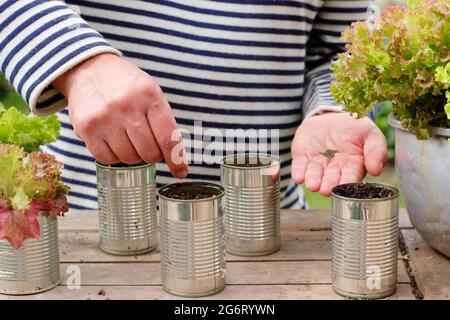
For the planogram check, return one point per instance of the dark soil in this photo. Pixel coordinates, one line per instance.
(123, 165)
(190, 191)
(363, 191)
(249, 162)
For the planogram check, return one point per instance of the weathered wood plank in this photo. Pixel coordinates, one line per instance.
(320, 219)
(291, 220)
(231, 292)
(83, 247)
(430, 268)
(242, 273)
(79, 220)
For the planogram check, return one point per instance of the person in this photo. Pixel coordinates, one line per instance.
(131, 72)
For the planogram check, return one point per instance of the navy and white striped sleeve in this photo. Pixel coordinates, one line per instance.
(324, 45)
(39, 41)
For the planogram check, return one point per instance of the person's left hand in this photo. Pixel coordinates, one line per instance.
(354, 146)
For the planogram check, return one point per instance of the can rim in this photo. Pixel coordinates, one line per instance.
(275, 161)
(128, 167)
(382, 185)
(203, 183)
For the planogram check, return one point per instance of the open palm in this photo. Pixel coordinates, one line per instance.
(336, 148)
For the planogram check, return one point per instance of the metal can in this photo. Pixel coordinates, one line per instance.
(34, 267)
(365, 244)
(127, 208)
(192, 240)
(252, 204)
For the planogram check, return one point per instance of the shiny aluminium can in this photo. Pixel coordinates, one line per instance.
(365, 244)
(192, 240)
(252, 204)
(34, 267)
(127, 208)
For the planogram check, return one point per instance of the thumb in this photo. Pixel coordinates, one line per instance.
(375, 152)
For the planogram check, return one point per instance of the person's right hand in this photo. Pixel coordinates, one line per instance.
(120, 113)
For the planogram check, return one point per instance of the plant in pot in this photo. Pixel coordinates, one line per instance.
(403, 57)
(32, 196)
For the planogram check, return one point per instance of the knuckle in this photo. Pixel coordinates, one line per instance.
(167, 144)
(89, 122)
(120, 103)
(85, 127)
(148, 88)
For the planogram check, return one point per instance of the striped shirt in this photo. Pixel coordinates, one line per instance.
(232, 64)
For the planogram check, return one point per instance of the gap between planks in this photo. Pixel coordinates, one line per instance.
(285, 272)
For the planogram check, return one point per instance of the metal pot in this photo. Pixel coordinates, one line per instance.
(34, 267)
(127, 208)
(252, 204)
(365, 244)
(192, 240)
(424, 170)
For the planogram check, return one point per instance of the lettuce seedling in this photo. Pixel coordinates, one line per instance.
(30, 184)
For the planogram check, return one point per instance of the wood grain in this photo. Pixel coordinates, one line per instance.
(300, 270)
(242, 273)
(430, 268)
(231, 292)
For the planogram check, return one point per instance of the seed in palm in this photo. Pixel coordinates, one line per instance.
(329, 153)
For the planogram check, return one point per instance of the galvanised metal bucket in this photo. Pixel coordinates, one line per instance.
(192, 241)
(34, 267)
(365, 245)
(252, 204)
(127, 208)
(424, 170)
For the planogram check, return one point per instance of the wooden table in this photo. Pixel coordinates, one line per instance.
(300, 270)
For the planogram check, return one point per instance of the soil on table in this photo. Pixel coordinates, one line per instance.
(249, 162)
(363, 191)
(190, 191)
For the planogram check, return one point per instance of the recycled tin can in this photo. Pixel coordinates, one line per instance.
(127, 208)
(252, 204)
(365, 244)
(34, 267)
(192, 239)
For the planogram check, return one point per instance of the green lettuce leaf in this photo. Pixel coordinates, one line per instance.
(28, 131)
(403, 58)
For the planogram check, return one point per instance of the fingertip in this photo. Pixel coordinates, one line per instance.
(325, 189)
(181, 172)
(313, 186)
(297, 177)
(325, 192)
(375, 168)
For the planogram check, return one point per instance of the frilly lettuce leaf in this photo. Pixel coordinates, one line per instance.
(28, 131)
(17, 227)
(403, 58)
(30, 184)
